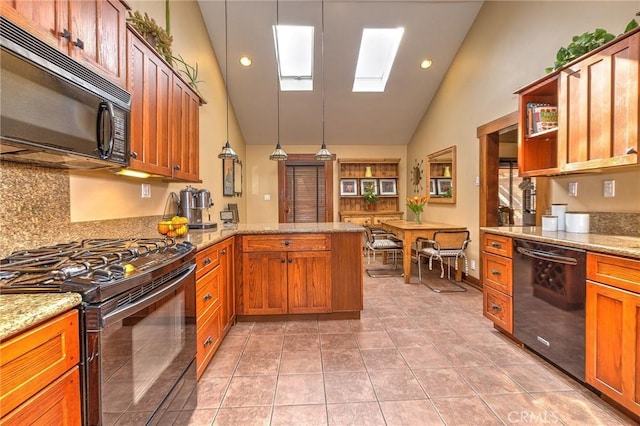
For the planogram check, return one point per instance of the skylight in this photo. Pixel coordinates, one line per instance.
(294, 55)
(378, 50)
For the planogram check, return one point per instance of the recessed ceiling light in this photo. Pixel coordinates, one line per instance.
(294, 54)
(245, 61)
(378, 49)
(426, 64)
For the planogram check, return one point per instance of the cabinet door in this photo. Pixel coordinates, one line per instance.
(264, 283)
(613, 343)
(98, 36)
(44, 19)
(599, 108)
(185, 135)
(149, 81)
(227, 284)
(309, 288)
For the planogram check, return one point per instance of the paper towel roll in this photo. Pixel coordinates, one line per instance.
(559, 210)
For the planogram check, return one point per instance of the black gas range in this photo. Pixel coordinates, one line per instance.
(137, 320)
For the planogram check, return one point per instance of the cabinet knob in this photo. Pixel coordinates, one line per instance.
(290, 260)
(133, 154)
(631, 150)
(223, 252)
(207, 296)
(496, 272)
(496, 245)
(176, 167)
(287, 243)
(207, 341)
(79, 44)
(282, 260)
(495, 307)
(65, 34)
(206, 261)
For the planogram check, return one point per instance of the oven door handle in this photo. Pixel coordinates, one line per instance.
(543, 255)
(153, 297)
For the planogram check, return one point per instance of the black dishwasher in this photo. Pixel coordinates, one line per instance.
(548, 302)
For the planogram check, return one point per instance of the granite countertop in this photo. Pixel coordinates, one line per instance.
(608, 244)
(22, 311)
(205, 238)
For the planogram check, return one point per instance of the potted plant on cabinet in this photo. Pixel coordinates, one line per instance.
(370, 197)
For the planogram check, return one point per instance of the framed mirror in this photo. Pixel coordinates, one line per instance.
(441, 176)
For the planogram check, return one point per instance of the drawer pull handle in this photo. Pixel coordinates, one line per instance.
(207, 341)
(496, 245)
(631, 150)
(495, 307)
(206, 261)
(79, 44)
(65, 34)
(496, 272)
(207, 296)
(287, 243)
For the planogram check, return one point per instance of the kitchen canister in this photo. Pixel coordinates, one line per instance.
(577, 222)
(549, 223)
(559, 210)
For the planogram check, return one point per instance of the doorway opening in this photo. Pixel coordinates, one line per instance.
(305, 190)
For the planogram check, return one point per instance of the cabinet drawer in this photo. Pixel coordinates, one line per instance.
(209, 337)
(286, 242)
(207, 259)
(498, 308)
(497, 273)
(35, 358)
(57, 404)
(616, 271)
(497, 244)
(207, 292)
(377, 220)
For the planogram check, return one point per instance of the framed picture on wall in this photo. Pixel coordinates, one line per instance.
(432, 187)
(368, 185)
(444, 187)
(228, 183)
(237, 177)
(348, 187)
(388, 187)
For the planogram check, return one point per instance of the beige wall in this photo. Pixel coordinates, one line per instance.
(262, 175)
(509, 45)
(120, 197)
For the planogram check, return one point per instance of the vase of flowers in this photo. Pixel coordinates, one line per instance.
(416, 205)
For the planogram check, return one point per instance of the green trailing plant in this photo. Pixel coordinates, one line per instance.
(585, 43)
(579, 46)
(153, 33)
(190, 72)
(369, 195)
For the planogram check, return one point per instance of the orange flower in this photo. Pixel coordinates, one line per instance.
(416, 203)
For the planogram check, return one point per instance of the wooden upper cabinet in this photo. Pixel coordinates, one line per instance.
(150, 83)
(598, 101)
(186, 140)
(91, 31)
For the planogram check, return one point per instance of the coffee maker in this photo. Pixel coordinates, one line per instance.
(192, 203)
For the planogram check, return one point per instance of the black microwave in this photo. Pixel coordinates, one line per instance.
(56, 112)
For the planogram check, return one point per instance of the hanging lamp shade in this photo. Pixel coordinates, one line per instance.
(278, 154)
(324, 154)
(228, 152)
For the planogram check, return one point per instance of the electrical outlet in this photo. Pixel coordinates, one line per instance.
(573, 189)
(472, 265)
(609, 188)
(146, 190)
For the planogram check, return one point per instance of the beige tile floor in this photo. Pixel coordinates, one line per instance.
(414, 358)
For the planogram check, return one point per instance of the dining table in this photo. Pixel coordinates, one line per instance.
(409, 230)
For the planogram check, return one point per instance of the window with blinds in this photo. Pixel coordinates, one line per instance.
(305, 193)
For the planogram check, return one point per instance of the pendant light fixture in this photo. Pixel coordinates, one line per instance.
(323, 154)
(227, 152)
(278, 154)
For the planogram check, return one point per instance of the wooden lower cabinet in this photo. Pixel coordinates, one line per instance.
(39, 368)
(214, 294)
(369, 218)
(497, 280)
(264, 283)
(613, 329)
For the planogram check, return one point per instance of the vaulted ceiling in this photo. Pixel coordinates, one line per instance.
(433, 29)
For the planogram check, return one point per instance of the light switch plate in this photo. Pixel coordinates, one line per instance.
(146, 190)
(573, 189)
(609, 188)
